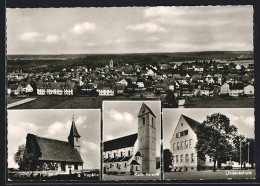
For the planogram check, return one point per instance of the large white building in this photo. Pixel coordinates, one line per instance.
(182, 146)
(56, 88)
(135, 153)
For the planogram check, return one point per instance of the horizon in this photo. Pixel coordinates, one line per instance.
(134, 53)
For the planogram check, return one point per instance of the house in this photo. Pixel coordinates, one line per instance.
(150, 72)
(56, 88)
(54, 154)
(140, 82)
(123, 82)
(249, 90)
(135, 153)
(206, 90)
(224, 89)
(236, 90)
(28, 88)
(16, 89)
(105, 89)
(186, 90)
(182, 146)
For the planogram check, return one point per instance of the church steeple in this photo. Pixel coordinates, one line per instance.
(74, 136)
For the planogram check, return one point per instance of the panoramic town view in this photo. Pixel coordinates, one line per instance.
(157, 93)
(207, 79)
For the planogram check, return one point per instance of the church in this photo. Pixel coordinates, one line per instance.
(182, 146)
(135, 153)
(54, 154)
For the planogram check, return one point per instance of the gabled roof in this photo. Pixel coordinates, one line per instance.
(134, 162)
(138, 154)
(55, 150)
(73, 130)
(192, 123)
(144, 106)
(119, 143)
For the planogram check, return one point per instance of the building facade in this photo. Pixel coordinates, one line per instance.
(182, 146)
(134, 153)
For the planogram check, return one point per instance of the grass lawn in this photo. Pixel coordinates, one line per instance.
(210, 175)
(240, 102)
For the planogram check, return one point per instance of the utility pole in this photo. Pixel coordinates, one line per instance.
(240, 155)
(248, 154)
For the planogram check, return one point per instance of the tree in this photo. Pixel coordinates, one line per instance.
(18, 156)
(167, 160)
(170, 99)
(215, 138)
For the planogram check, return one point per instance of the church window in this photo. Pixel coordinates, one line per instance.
(190, 142)
(143, 120)
(177, 158)
(181, 158)
(178, 146)
(181, 124)
(143, 111)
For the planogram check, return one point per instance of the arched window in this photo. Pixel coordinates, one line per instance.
(143, 120)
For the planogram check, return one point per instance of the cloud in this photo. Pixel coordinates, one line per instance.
(80, 120)
(83, 27)
(30, 36)
(57, 128)
(120, 40)
(109, 137)
(118, 116)
(52, 38)
(88, 145)
(146, 27)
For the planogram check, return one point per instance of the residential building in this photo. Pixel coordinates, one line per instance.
(182, 146)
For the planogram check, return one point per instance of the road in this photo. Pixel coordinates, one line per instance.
(14, 104)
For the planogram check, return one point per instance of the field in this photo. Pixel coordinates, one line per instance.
(240, 102)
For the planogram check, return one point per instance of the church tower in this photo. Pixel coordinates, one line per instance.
(74, 137)
(111, 63)
(147, 138)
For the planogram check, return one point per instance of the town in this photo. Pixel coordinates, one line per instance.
(213, 82)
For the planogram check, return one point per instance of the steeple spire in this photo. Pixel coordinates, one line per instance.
(73, 129)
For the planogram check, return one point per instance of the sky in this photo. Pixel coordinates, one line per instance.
(242, 118)
(55, 124)
(120, 119)
(129, 29)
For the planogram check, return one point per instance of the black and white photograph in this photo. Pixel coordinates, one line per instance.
(53, 145)
(74, 58)
(208, 144)
(131, 140)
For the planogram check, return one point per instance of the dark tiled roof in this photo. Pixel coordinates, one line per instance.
(144, 106)
(57, 85)
(119, 143)
(55, 150)
(106, 160)
(134, 162)
(138, 154)
(126, 158)
(112, 159)
(119, 159)
(73, 130)
(193, 124)
(236, 87)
